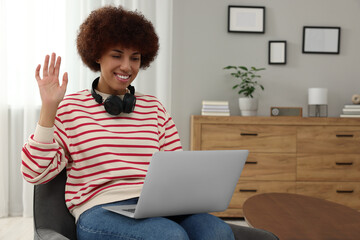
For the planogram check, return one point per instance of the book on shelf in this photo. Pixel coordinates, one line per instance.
(215, 108)
(350, 116)
(352, 106)
(215, 113)
(215, 103)
(351, 111)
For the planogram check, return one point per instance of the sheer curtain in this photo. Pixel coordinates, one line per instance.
(29, 31)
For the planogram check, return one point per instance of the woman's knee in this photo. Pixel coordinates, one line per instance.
(176, 233)
(206, 226)
(163, 228)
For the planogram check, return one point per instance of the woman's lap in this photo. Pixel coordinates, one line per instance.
(99, 223)
(204, 226)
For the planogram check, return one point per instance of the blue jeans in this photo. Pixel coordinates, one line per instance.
(101, 224)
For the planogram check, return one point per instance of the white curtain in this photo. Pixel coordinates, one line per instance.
(30, 29)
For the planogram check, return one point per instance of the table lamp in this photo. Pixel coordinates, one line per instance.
(317, 102)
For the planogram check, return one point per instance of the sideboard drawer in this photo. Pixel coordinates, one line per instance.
(346, 193)
(251, 137)
(246, 189)
(328, 167)
(328, 139)
(270, 166)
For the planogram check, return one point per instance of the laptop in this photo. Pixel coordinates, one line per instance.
(187, 182)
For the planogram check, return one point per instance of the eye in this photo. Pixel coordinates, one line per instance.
(136, 58)
(116, 56)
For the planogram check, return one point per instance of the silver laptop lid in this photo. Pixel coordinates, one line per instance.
(187, 182)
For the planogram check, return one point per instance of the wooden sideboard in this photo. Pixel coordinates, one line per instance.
(318, 157)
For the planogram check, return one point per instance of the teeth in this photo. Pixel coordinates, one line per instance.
(122, 76)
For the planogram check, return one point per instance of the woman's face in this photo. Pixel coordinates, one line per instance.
(119, 67)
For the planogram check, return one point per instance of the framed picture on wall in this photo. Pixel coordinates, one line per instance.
(246, 19)
(322, 40)
(277, 52)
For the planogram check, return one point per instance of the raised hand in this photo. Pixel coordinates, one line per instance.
(51, 91)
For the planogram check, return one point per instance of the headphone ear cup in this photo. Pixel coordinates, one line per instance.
(129, 102)
(113, 105)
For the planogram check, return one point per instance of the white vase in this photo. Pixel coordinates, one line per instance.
(248, 106)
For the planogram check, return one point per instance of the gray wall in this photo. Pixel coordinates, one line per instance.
(202, 47)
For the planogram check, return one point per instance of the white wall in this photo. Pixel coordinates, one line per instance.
(202, 47)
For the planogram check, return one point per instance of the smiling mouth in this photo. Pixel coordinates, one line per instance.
(121, 77)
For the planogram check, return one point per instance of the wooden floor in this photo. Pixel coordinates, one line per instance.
(21, 228)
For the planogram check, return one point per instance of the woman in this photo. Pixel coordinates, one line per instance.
(106, 136)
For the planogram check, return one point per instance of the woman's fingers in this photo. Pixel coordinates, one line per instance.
(52, 63)
(50, 69)
(64, 81)
(46, 66)
(37, 73)
(57, 66)
(50, 89)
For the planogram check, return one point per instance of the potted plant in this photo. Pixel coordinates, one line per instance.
(247, 86)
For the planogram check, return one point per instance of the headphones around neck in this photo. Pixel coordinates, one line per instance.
(113, 104)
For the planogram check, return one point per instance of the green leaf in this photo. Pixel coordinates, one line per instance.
(243, 68)
(230, 67)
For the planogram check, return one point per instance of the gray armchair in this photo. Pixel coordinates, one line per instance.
(53, 221)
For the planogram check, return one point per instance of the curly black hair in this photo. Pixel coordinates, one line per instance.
(109, 26)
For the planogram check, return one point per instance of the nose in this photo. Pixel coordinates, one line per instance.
(125, 65)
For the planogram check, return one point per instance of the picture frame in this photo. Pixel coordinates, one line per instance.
(321, 40)
(277, 52)
(246, 19)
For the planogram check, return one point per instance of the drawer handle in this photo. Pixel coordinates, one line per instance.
(247, 190)
(344, 191)
(249, 134)
(344, 135)
(344, 163)
(251, 162)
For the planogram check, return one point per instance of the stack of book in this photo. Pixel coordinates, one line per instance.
(352, 110)
(215, 108)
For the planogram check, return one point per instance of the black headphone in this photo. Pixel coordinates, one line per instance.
(113, 104)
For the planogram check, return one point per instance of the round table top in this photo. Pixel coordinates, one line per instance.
(293, 216)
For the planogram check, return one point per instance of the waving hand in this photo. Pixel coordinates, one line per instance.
(51, 91)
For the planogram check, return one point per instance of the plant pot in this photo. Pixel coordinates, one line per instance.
(248, 106)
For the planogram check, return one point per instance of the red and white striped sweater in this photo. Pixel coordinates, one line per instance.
(106, 156)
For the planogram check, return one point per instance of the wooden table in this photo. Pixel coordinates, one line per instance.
(293, 216)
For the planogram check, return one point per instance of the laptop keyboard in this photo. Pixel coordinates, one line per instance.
(132, 210)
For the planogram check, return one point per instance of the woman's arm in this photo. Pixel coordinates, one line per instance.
(169, 139)
(51, 91)
(46, 153)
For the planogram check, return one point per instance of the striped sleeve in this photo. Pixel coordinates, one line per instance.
(169, 137)
(45, 154)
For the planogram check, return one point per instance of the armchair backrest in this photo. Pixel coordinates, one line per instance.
(50, 211)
